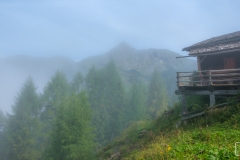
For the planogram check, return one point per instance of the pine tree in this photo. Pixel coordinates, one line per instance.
(106, 96)
(23, 126)
(3, 120)
(157, 97)
(94, 85)
(113, 98)
(77, 83)
(72, 136)
(137, 103)
(54, 93)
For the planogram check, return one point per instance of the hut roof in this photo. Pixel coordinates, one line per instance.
(215, 43)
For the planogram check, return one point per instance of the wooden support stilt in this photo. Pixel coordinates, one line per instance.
(184, 107)
(212, 99)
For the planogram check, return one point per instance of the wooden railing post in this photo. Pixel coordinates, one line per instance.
(200, 78)
(212, 99)
(210, 78)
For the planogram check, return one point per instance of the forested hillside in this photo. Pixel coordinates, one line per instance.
(74, 119)
(70, 110)
(133, 65)
(119, 79)
(112, 112)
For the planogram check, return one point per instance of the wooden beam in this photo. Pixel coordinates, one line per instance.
(206, 92)
(194, 112)
(206, 76)
(225, 92)
(185, 56)
(210, 80)
(192, 116)
(219, 70)
(224, 104)
(211, 53)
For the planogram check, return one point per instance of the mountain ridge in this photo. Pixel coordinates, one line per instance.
(134, 66)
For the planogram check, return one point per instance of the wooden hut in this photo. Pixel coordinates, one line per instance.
(218, 61)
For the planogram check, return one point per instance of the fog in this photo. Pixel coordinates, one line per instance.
(11, 87)
(80, 29)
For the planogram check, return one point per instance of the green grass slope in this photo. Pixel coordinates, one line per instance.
(211, 136)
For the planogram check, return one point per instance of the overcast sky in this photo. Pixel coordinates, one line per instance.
(78, 29)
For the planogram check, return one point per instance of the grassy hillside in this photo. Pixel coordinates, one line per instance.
(211, 136)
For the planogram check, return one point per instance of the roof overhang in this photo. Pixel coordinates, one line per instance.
(227, 38)
(211, 53)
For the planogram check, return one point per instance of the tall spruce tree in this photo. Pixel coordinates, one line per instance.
(115, 98)
(77, 83)
(54, 93)
(106, 94)
(3, 120)
(95, 85)
(137, 103)
(23, 126)
(72, 136)
(157, 97)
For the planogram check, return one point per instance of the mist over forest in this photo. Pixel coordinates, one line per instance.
(133, 65)
(97, 98)
(84, 113)
(86, 79)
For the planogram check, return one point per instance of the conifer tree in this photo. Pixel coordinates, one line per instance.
(72, 136)
(3, 121)
(106, 95)
(93, 84)
(114, 94)
(137, 103)
(77, 83)
(54, 93)
(157, 97)
(100, 121)
(23, 126)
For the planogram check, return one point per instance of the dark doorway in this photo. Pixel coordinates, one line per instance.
(230, 63)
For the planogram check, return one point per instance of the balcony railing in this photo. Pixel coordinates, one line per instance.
(222, 77)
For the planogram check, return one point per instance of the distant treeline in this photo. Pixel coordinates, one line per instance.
(72, 120)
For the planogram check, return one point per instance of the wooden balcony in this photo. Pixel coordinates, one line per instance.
(224, 77)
